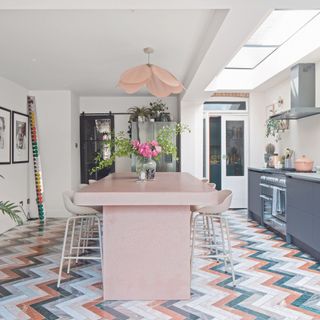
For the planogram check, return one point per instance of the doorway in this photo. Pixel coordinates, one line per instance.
(227, 148)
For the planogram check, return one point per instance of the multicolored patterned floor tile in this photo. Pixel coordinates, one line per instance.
(274, 281)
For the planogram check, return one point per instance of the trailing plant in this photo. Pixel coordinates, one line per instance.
(273, 128)
(166, 138)
(10, 209)
(123, 146)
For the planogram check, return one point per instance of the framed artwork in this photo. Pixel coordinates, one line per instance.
(270, 111)
(5, 136)
(20, 137)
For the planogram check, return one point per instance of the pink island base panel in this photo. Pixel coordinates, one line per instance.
(146, 252)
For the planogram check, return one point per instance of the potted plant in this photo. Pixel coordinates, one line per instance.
(139, 114)
(10, 209)
(270, 149)
(157, 109)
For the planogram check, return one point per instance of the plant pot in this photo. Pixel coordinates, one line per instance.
(141, 118)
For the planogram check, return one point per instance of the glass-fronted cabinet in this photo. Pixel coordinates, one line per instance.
(94, 130)
(147, 131)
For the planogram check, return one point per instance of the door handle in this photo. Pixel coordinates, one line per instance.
(265, 198)
(264, 185)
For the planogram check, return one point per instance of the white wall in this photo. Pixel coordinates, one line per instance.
(191, 113)
(121, 104)
(303, 134)
(257, 128)
(58, 117)
(15, 186)
(75, 142)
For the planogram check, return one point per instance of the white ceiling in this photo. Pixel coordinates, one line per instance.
(86, 51)
(84, 45)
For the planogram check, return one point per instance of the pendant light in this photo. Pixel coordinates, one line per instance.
(159, 82)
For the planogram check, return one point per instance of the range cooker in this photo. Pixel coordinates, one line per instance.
(274, 198)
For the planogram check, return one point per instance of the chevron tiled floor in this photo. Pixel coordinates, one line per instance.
(274, 281)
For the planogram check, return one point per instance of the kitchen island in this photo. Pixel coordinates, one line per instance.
(146, 233)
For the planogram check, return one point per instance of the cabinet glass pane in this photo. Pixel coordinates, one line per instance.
(235, 148)
(147, 131)
(96, 129)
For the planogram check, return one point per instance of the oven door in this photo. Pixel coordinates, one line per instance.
(267, 205)
(279, 203)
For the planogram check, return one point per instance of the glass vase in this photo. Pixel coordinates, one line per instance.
(146, 169)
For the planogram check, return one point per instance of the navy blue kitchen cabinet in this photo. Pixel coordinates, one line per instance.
(303, 214)
(254, 200)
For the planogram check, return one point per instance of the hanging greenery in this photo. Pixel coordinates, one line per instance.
(275, 127)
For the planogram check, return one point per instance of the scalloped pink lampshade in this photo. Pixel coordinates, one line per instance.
(159, 82)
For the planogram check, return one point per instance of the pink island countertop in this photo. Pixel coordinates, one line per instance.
(169, 188)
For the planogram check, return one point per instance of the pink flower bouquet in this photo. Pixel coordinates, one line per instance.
(149, 149)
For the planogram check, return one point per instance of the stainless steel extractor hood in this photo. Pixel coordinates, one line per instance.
(303, 93)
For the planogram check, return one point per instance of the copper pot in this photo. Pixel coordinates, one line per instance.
(303, 164)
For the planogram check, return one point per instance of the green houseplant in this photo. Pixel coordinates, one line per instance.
(139, 113)
(123, 146)
(10, 209)
(157, 108)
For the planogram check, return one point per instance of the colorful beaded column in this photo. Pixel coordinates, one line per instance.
(36, 157)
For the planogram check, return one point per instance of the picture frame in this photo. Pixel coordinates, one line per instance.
(20, 137)
(5, 136)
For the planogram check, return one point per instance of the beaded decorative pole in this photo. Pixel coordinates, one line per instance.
(36, 157)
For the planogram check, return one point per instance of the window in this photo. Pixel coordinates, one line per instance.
(225, 106)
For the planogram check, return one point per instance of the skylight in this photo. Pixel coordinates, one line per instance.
(249, 57)
(293, 37)
(279, 27)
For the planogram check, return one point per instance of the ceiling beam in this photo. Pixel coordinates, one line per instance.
(237, 26)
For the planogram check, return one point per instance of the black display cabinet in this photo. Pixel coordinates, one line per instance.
(94, 128)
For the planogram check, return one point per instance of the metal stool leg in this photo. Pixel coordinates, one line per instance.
(229, 250)
(223, 244)
(79, 240)
(71, 244)
(63, 251)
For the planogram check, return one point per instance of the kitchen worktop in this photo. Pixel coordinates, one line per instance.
(311, 176)
(269, 170)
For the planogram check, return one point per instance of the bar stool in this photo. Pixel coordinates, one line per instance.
(195, 208)
(211, 227)
(88, 230)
